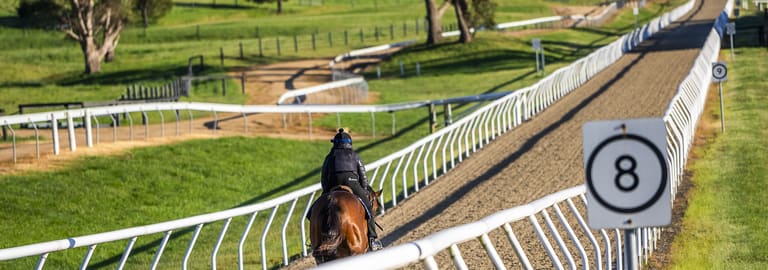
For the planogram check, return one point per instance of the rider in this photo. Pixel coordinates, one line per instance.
(342, 166)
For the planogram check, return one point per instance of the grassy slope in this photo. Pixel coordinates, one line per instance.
(724, 226)
(43, 66)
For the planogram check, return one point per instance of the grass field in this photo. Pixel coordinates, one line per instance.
(724, 226)
(158, 184)
(44, 66)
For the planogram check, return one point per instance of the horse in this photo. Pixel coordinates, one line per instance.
(338, 226)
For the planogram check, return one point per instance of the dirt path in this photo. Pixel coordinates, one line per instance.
(544, 155)
(264, 85)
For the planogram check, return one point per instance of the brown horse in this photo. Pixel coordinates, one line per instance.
(338, 226)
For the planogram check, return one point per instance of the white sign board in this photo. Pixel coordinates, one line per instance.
(625, 162)
(730, 28)
(536, 44)
(719, 72)
(635, 11)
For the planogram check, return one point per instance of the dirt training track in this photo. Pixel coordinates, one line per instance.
(544, 155)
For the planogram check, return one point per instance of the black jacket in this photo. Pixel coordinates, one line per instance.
(342, 159)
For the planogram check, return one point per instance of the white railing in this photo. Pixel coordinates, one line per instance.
(351, 91)
(528, 216)
(530, 22)
(347, 91)
(681, 118)
(402, 172)
(595, 19)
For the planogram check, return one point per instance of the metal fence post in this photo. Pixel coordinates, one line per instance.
(55, 135)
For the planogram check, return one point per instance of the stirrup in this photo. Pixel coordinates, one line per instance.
(375, 244)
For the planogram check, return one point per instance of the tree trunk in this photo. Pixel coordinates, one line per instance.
(84, 27)
(434, 23)
(110, 56)
(279, 6)
(461, 11)
(92, 56)
(145, 16)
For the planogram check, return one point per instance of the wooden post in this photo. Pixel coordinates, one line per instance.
(277, 40)
(391, 31)
(241, 51)
(242, 82)
(362, 40)
(432, 118)
(261, 52)
(5, 132)
(346, 37)
(224, 87)
(295, 44)
(313, 42)
(221, 55)
(330, 39)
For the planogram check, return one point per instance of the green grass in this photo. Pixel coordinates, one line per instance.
(163, 183)
(38, 64)
(724, 226)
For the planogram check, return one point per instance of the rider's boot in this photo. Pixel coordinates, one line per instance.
(373, 243)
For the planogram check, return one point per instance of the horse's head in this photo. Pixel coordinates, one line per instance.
(373, 197)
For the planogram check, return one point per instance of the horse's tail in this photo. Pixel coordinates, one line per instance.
(330, 233)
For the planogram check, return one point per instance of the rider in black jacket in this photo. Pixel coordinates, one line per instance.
(342, 166)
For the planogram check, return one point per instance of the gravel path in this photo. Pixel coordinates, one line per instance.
(544, 155)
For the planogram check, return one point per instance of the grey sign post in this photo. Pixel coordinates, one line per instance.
(719, 75)
(538, 51)
(627, 178)
(730, 29)
(636, 12)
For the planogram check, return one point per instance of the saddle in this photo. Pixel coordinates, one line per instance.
(343, 188)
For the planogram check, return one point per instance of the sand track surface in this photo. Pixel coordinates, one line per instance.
(544, 155)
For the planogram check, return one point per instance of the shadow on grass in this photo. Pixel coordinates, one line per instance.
(11, 22)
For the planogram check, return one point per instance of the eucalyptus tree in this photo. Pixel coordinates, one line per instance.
(95, 24)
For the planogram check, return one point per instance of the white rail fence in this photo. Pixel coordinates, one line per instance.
(593, 253)
(681, 118)
(348, 91)
(595, 19)
(402, 173)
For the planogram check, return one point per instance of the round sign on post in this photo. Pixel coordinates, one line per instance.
(719, 72)
(536, 42)
(627, 176)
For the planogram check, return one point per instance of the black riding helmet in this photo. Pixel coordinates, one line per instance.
(342, 140)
